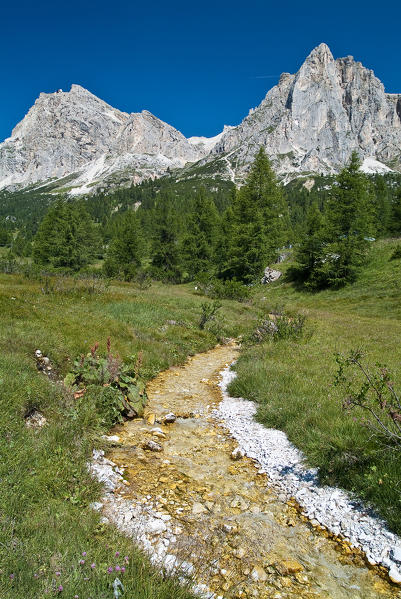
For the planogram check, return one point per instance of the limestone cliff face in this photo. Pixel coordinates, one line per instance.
(309, 122)
(313, 120)
(75, 132)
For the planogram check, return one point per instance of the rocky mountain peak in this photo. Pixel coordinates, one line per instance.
(309, 122)
(313, 120)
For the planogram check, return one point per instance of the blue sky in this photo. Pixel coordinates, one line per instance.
(197, 66)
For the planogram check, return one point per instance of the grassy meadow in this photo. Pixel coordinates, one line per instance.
(292, 381)
(45, 489)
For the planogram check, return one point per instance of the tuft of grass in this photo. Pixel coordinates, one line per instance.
(45, 490)
(292, 382)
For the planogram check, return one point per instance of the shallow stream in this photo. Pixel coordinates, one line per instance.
(235, 533)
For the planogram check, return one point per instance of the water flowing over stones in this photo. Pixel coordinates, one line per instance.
(202, 508)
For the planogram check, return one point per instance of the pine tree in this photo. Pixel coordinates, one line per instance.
(382, 206)
(166, 259)
(66, 237)
(125, 251)
(395, 219)
(261, 222)
(349, 218)
(199, 241)
(308, 255)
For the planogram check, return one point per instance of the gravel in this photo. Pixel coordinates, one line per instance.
(284, 464)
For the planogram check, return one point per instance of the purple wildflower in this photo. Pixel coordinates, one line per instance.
(93, 566)
(117, 568)
(126, 559)
(12, 576)
(84, 553)
(81, 562)
(60, 588)
(117, 553)
(58, 573)
(123, 569)
(110, 569)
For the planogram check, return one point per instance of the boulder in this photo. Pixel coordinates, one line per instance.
(270, 275)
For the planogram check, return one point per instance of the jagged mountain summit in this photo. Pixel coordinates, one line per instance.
(312, 121)
(309, 122)
(76, 135)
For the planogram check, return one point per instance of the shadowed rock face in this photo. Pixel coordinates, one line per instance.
(313, 120)
(308, 122)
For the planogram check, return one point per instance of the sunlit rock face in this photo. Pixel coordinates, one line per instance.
(76, 132)
(309, 122)
(313, 120)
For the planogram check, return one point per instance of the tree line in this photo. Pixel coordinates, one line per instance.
(179, 234)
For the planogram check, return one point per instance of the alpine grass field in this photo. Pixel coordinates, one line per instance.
(292, 381)
(45, 488)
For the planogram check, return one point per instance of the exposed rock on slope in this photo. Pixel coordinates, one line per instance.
(309, 123)
(312, 121)
(75, 132)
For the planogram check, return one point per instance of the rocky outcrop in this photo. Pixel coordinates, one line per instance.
(309, 122)
(313, 120)
(76, 133)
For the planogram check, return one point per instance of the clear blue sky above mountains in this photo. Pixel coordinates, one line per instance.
(197, 66)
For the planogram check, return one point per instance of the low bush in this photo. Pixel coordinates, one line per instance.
(396, 255)
(372, 393)
(217, 289)
(279, 325)
(117, 389)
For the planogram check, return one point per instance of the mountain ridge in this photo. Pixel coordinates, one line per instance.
(310, 122)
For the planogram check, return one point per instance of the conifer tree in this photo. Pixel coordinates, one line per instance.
(345, 238)
(309, 253)
(66, 238)
(126, 248)
(166, 259)
(382, 206)
(261, 222)
(395, 219)
(199, 241)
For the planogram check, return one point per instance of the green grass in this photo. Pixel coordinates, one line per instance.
(45, 489)
(292, 381)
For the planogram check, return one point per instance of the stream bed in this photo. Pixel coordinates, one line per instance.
(186, 494)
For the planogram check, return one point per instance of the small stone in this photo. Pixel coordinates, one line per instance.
(152, 446)
(396, 554)
(394, 575)
(155, 527)
(157, 432)
(96, 505)
(169, 418)
(111, 438)
(289, 566)
(240, 552)
(151, 419)
(237, 454)
(198, 508)
(35, 420)
(258, 574)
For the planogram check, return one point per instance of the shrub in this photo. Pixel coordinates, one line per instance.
(118, 389)
(373, 393)
(279, 325)
(396, 255)
(209, 311)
